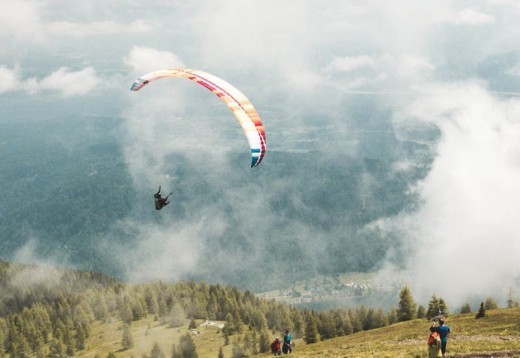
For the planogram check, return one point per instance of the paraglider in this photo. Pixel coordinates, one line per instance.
(237, 102)
(160, 202)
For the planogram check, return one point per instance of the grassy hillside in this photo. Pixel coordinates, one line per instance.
(497, 335)
(47, 311)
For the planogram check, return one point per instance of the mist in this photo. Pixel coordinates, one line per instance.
(406, 111)
(463, 238)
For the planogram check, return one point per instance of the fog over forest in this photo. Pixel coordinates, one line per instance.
(392, 141)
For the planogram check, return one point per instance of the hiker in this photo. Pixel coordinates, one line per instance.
(434, 344)
(443, 330)
(287, 343)
(275, 347)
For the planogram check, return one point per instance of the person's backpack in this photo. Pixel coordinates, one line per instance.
(434, 339)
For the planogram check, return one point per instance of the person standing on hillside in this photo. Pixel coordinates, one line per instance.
(287, 342)
(275, 347)
(443, 330)
(434, 344)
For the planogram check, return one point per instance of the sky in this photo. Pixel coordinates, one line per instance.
(453, 65)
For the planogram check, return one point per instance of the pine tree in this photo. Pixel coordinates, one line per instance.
(433, 308)
(128, 341)
(355, 321)
(326, 327)
(511, 302)
(466, 308)
(299, 323)
(264, 343)
(177, 316)
(407, 306)
(490, 304)
(254, 343)
(421, 312)
(187, 347)
(176, 353)
(229, 326)
(481, 312)
(376, 318)
(311, 330)
(391, 316)
(156, 351)
(57, 349)
(443, 307)
(193, 324)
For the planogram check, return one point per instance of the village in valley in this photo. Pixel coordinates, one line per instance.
(358, 287)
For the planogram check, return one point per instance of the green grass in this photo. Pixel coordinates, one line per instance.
(496, 335)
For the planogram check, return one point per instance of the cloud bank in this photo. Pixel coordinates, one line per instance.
(63, 81)
(464, 239)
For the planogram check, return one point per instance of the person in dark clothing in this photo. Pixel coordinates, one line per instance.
(160, 202)
(287, 342)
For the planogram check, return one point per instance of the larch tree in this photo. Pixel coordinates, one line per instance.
(407, 307)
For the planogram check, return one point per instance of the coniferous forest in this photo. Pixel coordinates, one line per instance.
(50, 311)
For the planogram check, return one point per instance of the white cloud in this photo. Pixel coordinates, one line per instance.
(470, 209)
(66, 82)
(143, 60)
(384, 72)
(66, 28)
(8, 79)
(21, 21)
(469, 16)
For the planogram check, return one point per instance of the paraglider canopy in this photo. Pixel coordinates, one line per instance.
(237, 102)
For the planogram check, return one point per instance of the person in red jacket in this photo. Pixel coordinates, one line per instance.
(275, 347)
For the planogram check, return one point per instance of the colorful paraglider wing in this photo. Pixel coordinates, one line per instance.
(241, 107)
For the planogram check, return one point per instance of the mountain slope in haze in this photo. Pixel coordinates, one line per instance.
(56, 312)
(68, 198)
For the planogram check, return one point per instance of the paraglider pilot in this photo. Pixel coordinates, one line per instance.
(160, 202)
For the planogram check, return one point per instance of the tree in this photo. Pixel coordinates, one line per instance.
(264, 343)
(391, 316)
(220, 352)
(311, 330)
(421, 312)
(407, 306)
(57, 349)
(433, 308)
(156, 351)
(187, 347)
(326, 326)
(176, 353)
(128, 342)
(193, 324)
(481, 312)
(177, 315)
(229, 326)
(490, 304)
(443, 307)
(466, 308)
(511, 302)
